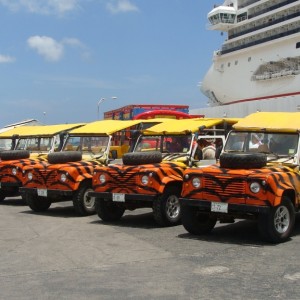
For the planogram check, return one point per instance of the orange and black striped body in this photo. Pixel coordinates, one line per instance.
(139, 184)
(233, 186)
(11, 174)
(59, 180)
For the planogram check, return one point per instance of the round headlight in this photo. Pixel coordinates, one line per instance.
(14, 171)
(63, 177)
(145, 180)
(196, 182)
(255, 187)
(29, 176)
(102, 178)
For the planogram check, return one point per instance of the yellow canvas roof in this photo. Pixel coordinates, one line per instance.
(105, 127)
(20, 130)
(44, 130)
(270, 121)
(184, 126)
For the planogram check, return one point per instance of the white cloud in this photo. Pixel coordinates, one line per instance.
(47, 47)
(42, 6)
(53, 50)
(121, 6)
(6, 59)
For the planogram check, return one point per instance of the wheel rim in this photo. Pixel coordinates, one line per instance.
(282, 219)
(173, 207)
(89, 202)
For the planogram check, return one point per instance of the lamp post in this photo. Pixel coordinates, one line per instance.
(101, 101)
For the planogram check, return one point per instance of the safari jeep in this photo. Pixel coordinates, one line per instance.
(151, 176)
(258, 178)
(67, 175)
(33, 145)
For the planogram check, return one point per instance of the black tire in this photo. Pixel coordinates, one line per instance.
(166, 208)
(141, 158)
(64, 157)
(196, 222)
(14, 154)
(109, 211)
(277, 226)
(2, 196)
(243, 160)
(37, 203)
(84, 204)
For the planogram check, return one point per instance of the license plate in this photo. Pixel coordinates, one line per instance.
(219, 207)
(118, 197)
(42, 192)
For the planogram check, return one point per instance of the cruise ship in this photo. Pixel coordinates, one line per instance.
(258, 65)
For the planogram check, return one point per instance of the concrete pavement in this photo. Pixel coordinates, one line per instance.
(58, 255)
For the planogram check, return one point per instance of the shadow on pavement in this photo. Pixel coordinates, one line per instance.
(243, 233)
(143, 220)
(13, 202)
(57, 212)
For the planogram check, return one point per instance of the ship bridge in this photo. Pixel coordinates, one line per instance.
(222, 17)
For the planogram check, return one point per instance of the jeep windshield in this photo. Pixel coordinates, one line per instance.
(37, 144)
(164, 144)
(275, 144)
(94, 146)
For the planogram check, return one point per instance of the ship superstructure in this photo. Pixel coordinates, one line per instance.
(260, 58)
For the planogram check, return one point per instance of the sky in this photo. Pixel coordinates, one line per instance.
(59, 58)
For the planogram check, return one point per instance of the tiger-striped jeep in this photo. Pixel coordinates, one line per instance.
(151, 176)
(33, 145)
(67, 175)
(258, 178)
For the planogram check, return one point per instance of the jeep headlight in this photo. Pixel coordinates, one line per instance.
(63, 177)
(102, 178)
(14, 171)
(255, 187)
(30, 176)
(196, 182)
(145, 179)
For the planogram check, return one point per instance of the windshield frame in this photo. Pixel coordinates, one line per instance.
(88, 145)
(160, 143)
(280, 144)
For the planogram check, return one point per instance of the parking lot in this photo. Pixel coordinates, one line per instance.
(58, 255)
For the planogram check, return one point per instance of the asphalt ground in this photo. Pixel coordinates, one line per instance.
(58, 255)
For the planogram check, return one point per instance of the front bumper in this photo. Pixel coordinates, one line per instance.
(233, 209)
(127, 197)
(50, 193)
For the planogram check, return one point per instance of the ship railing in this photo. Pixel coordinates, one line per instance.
(227, 49)
(247, 3)
(270, 8)
(265, 25)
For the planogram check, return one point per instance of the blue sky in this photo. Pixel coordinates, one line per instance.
(58, 58)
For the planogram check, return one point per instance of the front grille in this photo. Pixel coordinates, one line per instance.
(225, 186)
(45, 176)
(122, 178)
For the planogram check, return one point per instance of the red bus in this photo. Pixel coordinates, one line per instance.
(171, 114)
(150, 111)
